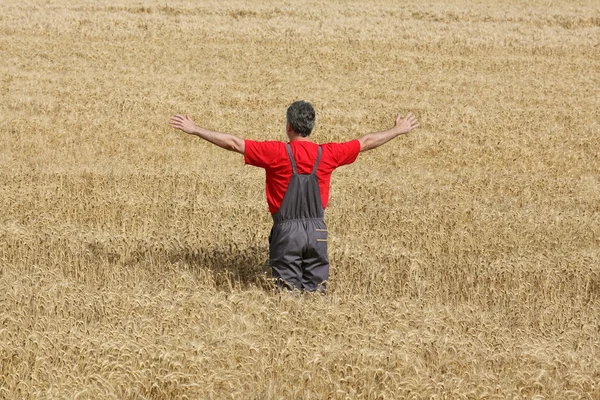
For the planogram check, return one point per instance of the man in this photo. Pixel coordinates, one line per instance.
(297, 186)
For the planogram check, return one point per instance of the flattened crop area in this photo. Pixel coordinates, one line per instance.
(465, 256)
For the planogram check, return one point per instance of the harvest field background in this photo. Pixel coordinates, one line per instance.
(465, 255)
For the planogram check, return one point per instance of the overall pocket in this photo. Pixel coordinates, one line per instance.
(321, 236)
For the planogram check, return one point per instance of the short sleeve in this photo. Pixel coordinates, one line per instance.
(344, 153)
(260, 154)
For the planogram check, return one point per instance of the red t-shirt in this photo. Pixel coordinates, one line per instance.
(273, 157)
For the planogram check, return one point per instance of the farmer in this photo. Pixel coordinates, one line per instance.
(297, 185)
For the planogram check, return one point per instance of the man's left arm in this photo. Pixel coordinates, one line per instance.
(223, 140)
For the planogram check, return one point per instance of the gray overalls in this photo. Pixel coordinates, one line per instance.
(298, 240)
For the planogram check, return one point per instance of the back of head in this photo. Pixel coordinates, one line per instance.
(301, 117)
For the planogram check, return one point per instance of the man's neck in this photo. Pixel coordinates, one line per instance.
(300, 139)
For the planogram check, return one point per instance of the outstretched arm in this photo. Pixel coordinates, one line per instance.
(376, 139)
(224, 140)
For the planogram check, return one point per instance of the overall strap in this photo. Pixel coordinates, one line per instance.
(289, 151)
(317, 162)
(294, 169)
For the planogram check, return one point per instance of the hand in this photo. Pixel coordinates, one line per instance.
(184, 123)
(406, 124)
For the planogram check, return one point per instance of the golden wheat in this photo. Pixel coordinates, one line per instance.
(465, 255)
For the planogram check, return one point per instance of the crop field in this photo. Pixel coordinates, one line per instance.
(465, 256)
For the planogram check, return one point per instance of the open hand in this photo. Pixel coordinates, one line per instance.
(184, 123)
(406, 124)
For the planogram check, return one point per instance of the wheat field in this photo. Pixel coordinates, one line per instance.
(465, 255)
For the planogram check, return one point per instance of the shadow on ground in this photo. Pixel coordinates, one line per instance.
(230, 264)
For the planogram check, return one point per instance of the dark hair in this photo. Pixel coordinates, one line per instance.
(301, 117)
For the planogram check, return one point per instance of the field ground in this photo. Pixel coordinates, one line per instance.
(465, 255)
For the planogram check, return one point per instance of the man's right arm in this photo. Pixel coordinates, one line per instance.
(376, 139)
(223, 140)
